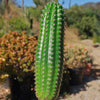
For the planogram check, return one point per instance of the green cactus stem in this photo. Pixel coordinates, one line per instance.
(49, 53)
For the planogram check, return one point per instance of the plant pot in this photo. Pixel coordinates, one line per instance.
(76, 75)
(87, 69)
(65, 85)
(21, 90)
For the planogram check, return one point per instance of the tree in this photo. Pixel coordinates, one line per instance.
(40, 2)
(2, 8)
(23, 4)
(69, 3)
(83, 19)
(56, 0)
(0, 1)
(6, 3)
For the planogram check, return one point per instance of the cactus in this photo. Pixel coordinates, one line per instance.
(49, 53)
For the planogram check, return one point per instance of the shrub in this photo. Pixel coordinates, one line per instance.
(2, 8)
(35, 12)
(17, 53)
(1, 34)
(19, 24)
(1, 22)
(83, 19)
(96, 38)
(75, 56)
(87, 26)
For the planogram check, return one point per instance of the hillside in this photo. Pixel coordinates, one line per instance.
(13, 11)
(92, 5)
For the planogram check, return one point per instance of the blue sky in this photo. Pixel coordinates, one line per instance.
(66, 5)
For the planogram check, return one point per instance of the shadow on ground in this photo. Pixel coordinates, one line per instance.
(74, 89)
(67, 90)
(95, 72)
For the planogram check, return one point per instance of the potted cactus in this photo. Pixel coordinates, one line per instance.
(49, 53)
(17, 52)
(75, 61)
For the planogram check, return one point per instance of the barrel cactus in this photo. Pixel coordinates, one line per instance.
(49, 53)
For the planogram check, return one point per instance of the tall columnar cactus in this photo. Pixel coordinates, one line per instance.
(49, 53)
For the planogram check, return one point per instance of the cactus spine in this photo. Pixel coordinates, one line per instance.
(49, 53)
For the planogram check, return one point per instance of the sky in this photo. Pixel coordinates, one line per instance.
(66, 5)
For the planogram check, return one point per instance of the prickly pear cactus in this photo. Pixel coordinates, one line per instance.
(49, 53)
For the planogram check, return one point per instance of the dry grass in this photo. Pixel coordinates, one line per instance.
(13, 11)
(36, 26)
(71, 36)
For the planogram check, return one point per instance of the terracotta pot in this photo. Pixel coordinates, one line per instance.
(76, 75)
(87, 69)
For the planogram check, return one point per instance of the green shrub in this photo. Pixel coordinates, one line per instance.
(35, 12)
(96, 38)
(1, 34)
(73, 15)
(19, 24)
(1, 22)
(83, 19)
(87, 26)
(2, 9)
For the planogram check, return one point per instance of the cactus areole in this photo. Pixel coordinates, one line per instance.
(49, 53)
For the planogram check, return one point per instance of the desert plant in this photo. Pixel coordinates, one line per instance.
(49, 52)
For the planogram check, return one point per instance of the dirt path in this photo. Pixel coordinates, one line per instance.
(94, 50)
(90, 89)
(87, 91)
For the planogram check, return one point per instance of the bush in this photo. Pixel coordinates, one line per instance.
(35, 12)
(83, 19)
(73, 15)
(87, 26)
(1, 34)
(19, 24)
(2, 9)
(96, 38)
(1, 23)
(1, 26)
(75, 56)
(17, 54)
